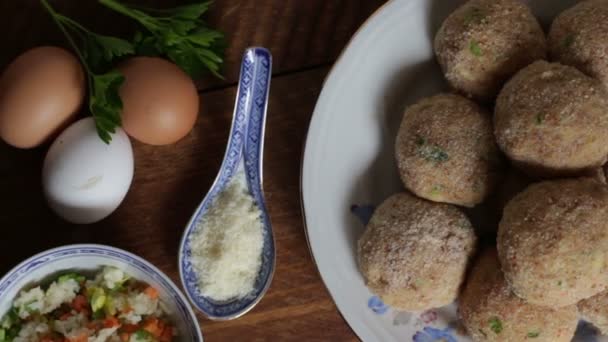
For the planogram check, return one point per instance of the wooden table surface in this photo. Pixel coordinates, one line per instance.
(305, 37)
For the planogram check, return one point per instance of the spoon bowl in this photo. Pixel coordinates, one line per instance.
(244, 153)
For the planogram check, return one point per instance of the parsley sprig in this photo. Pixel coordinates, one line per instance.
(177, 33)
(96, 53)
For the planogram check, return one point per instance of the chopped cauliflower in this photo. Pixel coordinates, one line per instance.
(29, 302)
(142, 304)
(31, 331)
(103, 335)
(130, 317)
(59, 293)
(113, 277)
(70, 324)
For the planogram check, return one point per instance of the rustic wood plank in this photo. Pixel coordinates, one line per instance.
(300, 33)
(169, 182)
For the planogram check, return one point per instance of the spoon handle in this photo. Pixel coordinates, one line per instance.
(261, 60)
(244, 102)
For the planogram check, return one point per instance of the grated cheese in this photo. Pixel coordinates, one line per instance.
(227, 243)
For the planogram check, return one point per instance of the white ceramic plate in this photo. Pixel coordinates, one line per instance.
(348, 160)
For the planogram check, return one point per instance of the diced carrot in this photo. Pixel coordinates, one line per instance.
(151, 292)
(151, 326)
(167, 335)
(111, 322)
(92, 325)
(124, 337)
(129, 328)
(80, 303)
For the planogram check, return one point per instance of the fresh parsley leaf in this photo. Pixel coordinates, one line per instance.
(533, 334)
(495, 325)
(112, 47)
(475, 48)
(192, 12)
(205, 37)
(105, 103)
(177, 33)
(97, 54)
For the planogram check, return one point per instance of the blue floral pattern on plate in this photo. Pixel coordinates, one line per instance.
(430, 334)
(377, 306)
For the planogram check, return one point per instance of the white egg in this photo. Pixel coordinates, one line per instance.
(85, 179)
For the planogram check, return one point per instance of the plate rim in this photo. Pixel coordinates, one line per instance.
(332, 70)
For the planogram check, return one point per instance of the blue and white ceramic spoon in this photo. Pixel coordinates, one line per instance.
(244, 150)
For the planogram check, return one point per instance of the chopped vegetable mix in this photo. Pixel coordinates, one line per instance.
(73, 308)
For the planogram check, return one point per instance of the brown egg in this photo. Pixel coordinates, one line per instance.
(40, 93)
(160, 101)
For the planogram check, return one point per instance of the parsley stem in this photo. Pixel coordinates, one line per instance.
(141, 17)
(57, 19)
(122, 9)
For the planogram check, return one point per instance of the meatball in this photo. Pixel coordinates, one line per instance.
(552, 120)
(579, 37)
(491, 312)
(446, 151)
(414, 253)
(595, 311)
(553, 241)
(484, 42)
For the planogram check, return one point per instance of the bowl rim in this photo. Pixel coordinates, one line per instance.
(168, 282)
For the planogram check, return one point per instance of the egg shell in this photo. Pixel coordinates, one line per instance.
(40, 93)
(160, 101)
(85, 179)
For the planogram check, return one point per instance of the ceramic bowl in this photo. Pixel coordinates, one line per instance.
(91, 258)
